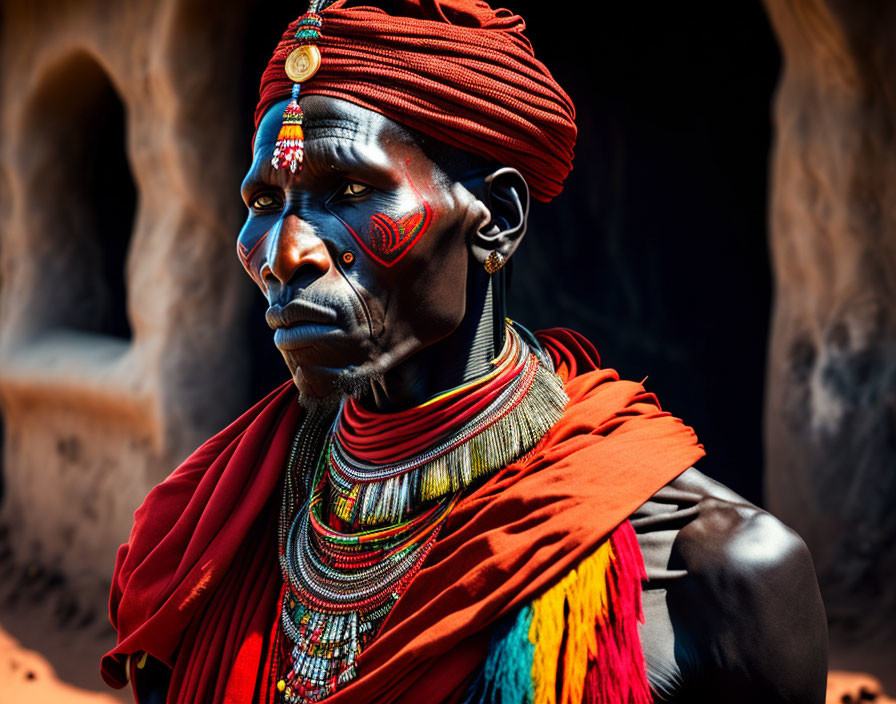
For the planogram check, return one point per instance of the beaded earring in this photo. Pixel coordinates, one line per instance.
(494, 261)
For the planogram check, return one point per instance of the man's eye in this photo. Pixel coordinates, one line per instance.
(355, 189)
(264, 202)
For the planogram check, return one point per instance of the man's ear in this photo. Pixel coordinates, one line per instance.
(506, 196)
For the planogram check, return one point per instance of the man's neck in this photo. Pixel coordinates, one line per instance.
(461, 357)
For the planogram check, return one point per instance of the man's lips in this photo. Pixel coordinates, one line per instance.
(299, 312)
(300, 323)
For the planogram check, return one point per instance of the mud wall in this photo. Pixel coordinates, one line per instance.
(121, 303)
(830, 423)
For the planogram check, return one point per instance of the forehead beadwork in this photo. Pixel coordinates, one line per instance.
(301, 64)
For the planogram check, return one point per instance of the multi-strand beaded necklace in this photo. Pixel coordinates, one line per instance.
(354, 530)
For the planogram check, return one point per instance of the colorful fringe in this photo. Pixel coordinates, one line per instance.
(289, 150)
(584, 629)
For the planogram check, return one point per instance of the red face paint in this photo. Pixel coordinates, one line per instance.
(247, 256)
(385, 237)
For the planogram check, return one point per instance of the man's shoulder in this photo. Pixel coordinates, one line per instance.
(741, 591)
(726, 536)
(729, 549)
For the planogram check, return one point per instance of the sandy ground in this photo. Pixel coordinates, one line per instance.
(854, 687)
(43, 660)
(28, 677)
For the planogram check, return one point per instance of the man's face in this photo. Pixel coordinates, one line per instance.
(363, 255)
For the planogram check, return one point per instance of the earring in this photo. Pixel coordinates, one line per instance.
(494, 261)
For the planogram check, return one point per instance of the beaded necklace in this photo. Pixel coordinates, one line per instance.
(339, 586)
(516, 405)
(340, 582)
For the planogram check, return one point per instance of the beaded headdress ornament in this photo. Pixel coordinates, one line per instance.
(301, 64)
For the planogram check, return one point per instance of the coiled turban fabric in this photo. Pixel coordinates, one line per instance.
(455, 70)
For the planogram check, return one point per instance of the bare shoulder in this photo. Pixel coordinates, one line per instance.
(730, 538)
(741, 592)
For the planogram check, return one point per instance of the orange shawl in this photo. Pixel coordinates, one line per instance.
(196, 586)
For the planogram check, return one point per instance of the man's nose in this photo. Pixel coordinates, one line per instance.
(294, 251)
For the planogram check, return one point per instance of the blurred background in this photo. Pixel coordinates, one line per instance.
(727, 233)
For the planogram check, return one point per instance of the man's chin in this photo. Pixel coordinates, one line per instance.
(325, 388)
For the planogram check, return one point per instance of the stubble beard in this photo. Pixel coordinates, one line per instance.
(350, 383)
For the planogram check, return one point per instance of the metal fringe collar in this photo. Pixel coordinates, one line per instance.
(367, 495)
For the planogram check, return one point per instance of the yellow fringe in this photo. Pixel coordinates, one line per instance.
(584, 589)
(290, 131)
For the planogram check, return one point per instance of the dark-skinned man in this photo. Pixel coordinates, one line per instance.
(441, 506)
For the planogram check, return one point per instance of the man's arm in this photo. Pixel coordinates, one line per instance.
(747, 618)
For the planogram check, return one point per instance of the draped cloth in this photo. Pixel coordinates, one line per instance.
(196, 586)
(455, 70)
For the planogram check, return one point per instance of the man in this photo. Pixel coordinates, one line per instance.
(441, 506)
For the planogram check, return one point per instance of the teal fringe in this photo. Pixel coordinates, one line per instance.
(506, 675)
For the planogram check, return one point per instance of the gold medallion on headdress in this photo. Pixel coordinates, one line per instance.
(301, 64)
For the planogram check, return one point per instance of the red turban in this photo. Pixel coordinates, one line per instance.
(455, 70)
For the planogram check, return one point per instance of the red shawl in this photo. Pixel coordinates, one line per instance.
(196, 586)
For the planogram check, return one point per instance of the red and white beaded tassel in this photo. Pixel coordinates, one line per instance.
(300, 65)
(290, 147)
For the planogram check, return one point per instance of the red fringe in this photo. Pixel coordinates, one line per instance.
(619, 674)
